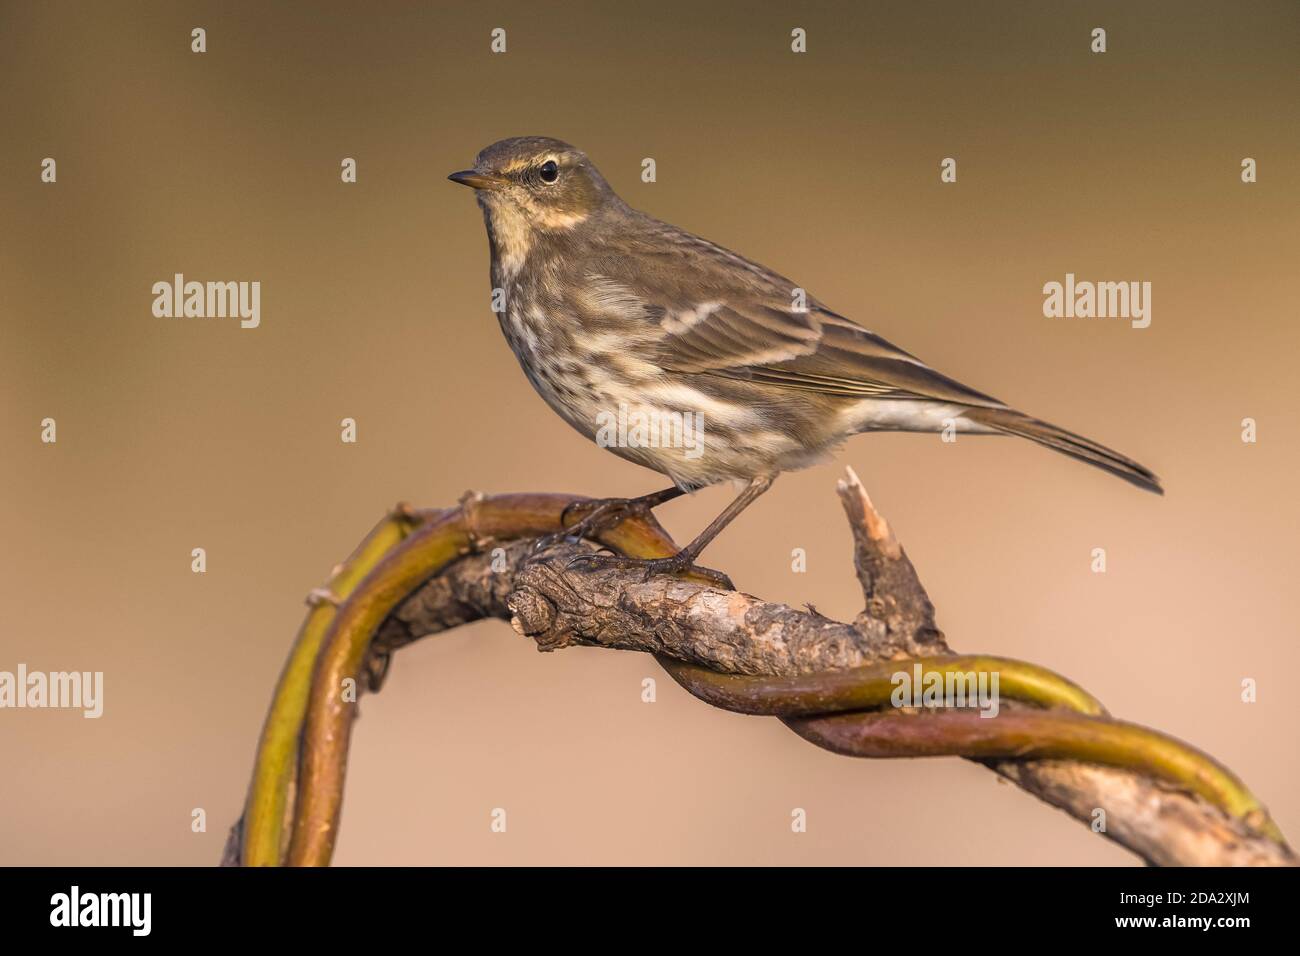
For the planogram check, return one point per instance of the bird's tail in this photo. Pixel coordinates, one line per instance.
(1010, 422)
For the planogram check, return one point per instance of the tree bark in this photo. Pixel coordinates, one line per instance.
(557, 603)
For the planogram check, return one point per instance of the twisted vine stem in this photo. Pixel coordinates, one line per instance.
(421, 572)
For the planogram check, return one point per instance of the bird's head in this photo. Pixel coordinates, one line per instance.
(532, 184)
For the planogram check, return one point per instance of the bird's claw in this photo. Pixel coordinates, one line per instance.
(677, 564)
(564, 515)
(598, 514)
(551, 540)
(683, 563)
(591, 560)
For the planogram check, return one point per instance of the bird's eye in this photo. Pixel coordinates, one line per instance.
(550, 172)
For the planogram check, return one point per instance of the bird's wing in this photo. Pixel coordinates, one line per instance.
(852, 362)
(728, 334)
(721, 314)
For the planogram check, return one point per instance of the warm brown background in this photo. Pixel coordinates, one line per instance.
(175, 434)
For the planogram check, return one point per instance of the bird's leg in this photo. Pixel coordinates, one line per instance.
(599, 514)
(684, 560)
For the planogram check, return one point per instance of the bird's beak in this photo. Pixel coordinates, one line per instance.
(477, 180)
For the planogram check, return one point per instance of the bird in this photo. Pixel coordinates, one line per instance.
(631, 328)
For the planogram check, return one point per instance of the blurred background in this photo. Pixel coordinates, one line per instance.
(175, 434)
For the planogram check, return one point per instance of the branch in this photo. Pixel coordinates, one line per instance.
(1171, 805)
(733, 633)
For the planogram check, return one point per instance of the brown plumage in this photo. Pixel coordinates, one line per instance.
(609, 309)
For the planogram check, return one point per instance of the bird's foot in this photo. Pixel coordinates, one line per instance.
(594, 516)
(680, 563)
(601, 514)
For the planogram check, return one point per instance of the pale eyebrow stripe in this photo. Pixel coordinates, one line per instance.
(519, 164)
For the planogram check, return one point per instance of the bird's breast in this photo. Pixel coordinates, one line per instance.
(601, 377)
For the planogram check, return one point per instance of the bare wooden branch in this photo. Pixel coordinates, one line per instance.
(555, 602)
(895, 597)
(1164, 826)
